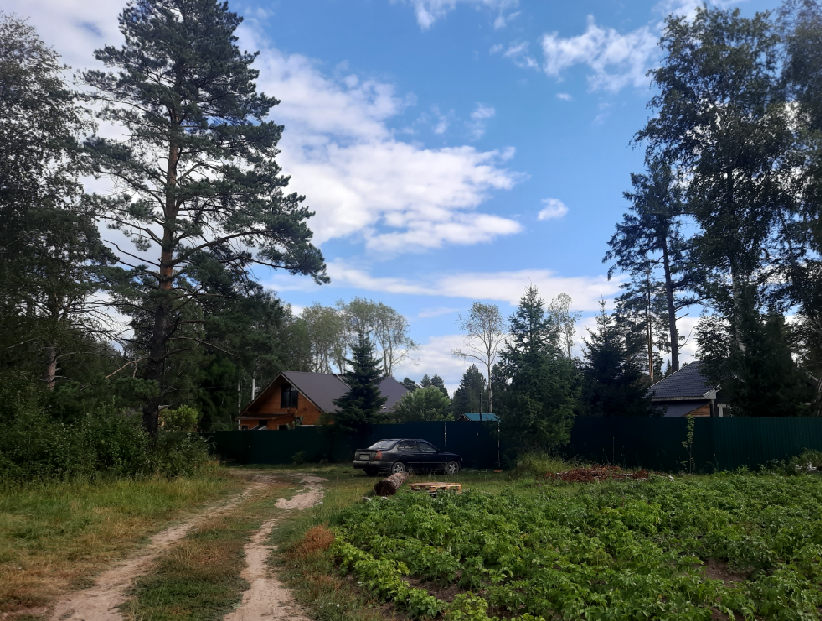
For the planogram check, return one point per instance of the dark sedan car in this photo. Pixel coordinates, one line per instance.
(404, 455)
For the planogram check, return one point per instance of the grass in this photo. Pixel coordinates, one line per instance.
(57, 536)
(199, 578)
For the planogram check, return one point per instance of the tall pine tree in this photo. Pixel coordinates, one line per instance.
(196, 172)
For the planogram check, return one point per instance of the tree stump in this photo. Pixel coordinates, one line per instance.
(390, 485)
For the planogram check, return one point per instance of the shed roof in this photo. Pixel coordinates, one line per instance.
(394, 390)
(687, 383)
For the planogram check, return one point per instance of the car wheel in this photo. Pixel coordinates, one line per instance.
(398, 467)
(452, 467)
(371, 471)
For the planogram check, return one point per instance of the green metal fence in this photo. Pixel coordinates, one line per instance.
(654, 443)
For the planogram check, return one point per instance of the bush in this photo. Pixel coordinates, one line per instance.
(102, 443)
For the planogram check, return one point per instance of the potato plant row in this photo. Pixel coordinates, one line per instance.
(621, 550)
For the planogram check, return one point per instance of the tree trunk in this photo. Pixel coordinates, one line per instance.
(649, 331)
(390, 485)
(490, 390)
(160, 333)
(673, 333)
(51, 366)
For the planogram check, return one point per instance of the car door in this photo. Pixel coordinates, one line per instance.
(429, 456)
(407, 453)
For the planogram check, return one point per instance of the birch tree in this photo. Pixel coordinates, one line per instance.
(485, 332)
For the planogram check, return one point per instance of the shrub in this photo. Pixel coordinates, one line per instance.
(184, 418)
(102, 443)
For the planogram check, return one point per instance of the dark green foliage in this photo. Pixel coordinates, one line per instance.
(438, 382)
(104, 442)
(613, 383)
(186, 96)
(649, 246)
(363, 402)
(762, 379)
(471, 395)
(51, 256)
(538, 395)
(410, 384)
(422, 404)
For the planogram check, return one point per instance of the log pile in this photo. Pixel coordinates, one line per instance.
(390, 485)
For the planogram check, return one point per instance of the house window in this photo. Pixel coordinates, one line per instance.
(289, 397)
(244, 428)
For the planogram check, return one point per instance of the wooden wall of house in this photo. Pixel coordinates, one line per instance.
(269, 402)
(703, 410)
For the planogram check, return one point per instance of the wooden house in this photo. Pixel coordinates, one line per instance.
(300, 398)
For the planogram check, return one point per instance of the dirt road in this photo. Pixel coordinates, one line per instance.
(266, 598)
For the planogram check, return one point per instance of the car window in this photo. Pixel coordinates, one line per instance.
(383, 445)
(407, 446)
(427, 448)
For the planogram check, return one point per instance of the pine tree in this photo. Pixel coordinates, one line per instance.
(438, 382)
(472, 393)
(410, 384)
(185, 95)
(613, 383)
(648, 242)
(363, 401)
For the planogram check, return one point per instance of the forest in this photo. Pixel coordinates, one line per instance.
(133, 314)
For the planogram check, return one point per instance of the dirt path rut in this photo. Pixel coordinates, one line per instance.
(100, 602)
(267, 599)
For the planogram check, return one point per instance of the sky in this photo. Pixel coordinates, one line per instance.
(453, 150)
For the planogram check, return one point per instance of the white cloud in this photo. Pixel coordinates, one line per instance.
(616, 60)
(479, 117)
(434, 358)
(565, 96)
(429, 11)
(436, 311)
(554, 208)
(361, 180)
(518, 53)
(496, 48)
(503, 286)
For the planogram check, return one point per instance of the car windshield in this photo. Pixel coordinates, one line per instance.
(383, 445)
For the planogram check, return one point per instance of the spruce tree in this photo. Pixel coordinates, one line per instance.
(196, 172)
(363, 401)
(613, 383)
(540, 390)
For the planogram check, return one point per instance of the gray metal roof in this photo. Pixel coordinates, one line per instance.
(687, 383)
(323, 388)
(320, 388)
(394, 390)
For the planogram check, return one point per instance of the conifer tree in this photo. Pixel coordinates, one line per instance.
(363, 401)
(540, 390)
(472, 393)
(196, 172)
(613, 383)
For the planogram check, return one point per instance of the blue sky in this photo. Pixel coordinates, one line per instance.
(454, 150)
